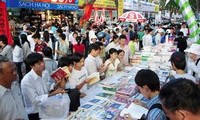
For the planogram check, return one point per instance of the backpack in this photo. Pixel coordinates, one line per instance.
(158, 106)
(196, 64)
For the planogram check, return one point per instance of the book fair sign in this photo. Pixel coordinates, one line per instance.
(44, 4)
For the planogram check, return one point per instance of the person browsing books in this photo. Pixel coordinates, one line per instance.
(112, 63)
(35, 85)
(148, 84)
(79, 76)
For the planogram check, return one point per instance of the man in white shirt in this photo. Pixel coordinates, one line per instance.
(11, 103)
(79, 77)
(35, 85)
(30, 39)
(184, 29)
(148, 40)
(125, 48)
(90, 62)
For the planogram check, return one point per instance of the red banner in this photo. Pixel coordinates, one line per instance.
(4, 26)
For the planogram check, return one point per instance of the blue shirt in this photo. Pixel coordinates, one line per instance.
(155, 114)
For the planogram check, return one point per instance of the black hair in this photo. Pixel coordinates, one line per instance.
(16, 41)
(65, 61)
(180, 33)
(99, 44)
(94, 46)
(46, 36)
(33, 29)
(181, 94)
(149, 78)
(77, 57)
(24, 39)
(36, 36)
(178, 59)
(122, 37)
(117, 29)
(111, 51)
(78, 39)
(4, 39)
(75, 33)
(47, 51)
(63, 36)
(119, 51)
(59, 30)
(115, 36)
(34, 58)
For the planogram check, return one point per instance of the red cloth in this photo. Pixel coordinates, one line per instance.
(4, 25)
(79, 48)
(39, 47)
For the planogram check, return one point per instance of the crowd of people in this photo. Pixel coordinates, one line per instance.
(38, 50)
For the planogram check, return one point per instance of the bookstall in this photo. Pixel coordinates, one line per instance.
(110, 98)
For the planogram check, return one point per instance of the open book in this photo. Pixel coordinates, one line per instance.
(94, 78)
(135, 111)
(60, 73)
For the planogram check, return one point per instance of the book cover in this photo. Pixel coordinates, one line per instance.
(126, 89)
(120, 98)
(94, 78)
(104, 96)
(60, 73)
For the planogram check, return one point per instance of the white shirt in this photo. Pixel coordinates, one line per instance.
(110, 45)
(26, 50)
(17, 54)
(11, 103)
(35, 89)
(147, 41)
(32, 42)
(187, 76)
(77, 77)
(91, 64)
(7, 52)
(112, 68)
(127, 54)
(185, 31)
(194, 68)
(158, 38)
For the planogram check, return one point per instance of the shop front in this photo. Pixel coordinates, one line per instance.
(42, 10)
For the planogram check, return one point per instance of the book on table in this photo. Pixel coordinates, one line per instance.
(104, 96)
(135, 111)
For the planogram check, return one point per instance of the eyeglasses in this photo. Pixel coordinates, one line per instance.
(3, 58)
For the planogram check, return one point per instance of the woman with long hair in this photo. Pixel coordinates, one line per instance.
(18, 56)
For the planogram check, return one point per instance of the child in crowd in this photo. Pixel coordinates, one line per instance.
(112, 63)
(120, 56)
(79, 76)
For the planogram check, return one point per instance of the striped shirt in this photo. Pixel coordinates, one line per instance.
(155, 114)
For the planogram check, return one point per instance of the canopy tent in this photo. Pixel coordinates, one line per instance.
(132, 16)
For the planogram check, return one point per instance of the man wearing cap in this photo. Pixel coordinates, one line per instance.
(178, 63)
(194, 61)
